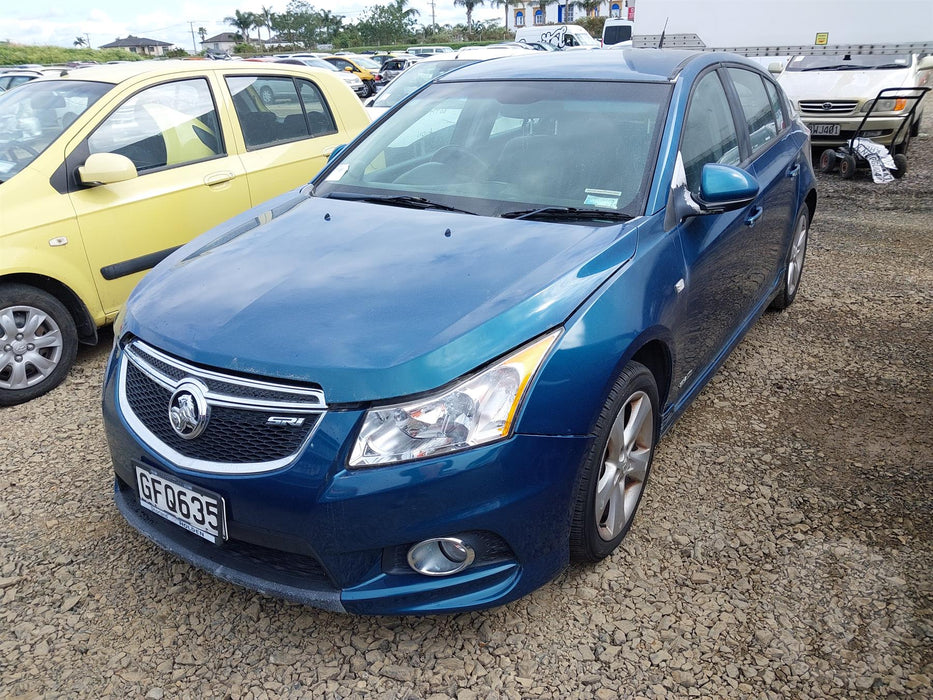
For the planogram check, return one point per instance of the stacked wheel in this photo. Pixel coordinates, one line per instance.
(828, 160)
(847, 166)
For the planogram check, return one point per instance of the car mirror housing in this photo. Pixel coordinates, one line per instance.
(776, 68)
(106, 168)
(722, 188)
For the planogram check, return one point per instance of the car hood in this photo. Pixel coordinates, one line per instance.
(840, 85)
(369, 301)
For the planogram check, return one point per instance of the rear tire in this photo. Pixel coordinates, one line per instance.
(370, 90)
(616, 468)
(38, 343)
(900, 165)
(793, 267)
(847, 167)
(828, 161)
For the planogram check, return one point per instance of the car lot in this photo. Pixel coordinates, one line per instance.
(783, 546)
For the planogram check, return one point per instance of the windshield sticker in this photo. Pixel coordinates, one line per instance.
(607, 199)
(338, 172)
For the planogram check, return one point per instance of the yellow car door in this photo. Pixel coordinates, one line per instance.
(187, 179)
(288, 127)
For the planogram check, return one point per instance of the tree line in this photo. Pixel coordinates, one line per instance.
(302, 24)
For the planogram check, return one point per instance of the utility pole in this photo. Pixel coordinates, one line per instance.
(433, 22)
(193, 45)
(88, 37)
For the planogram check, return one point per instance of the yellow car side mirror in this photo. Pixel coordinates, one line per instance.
(106, 168)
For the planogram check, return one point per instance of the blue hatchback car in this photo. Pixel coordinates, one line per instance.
(431, 378)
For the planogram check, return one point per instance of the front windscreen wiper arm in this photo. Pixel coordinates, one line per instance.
(563, 213)
(399, 200)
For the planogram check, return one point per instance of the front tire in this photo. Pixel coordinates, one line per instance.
(38, 343)
(793, 268)
(616, 469)
(370, 89)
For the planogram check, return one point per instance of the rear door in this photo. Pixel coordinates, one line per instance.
(287, 130)
(187, 181)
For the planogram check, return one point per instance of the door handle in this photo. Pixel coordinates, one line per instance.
(794, 170)
(754, 216)
(218, 178)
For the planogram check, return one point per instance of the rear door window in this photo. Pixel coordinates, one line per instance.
(277, 109)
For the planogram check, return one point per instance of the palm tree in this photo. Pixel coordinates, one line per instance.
(588, 6)
(508, 4)
(244, 21)
(267, 17)
(80, 41)
(469, 5)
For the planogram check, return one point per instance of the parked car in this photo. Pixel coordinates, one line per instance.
(833, 94)
(393, 66)
(12, 78)
(428, 50)
(105, 171)
(426, 70)
(360, 66)
(351, 80)
(429, 379)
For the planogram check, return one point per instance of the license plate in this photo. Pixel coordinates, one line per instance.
(824, 130)
(191, 508)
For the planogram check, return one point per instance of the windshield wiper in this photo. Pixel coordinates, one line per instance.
(838, 66)
(398, 200)
(565, 213)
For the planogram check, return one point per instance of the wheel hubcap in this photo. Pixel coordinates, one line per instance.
(625, 466)
(30, 346)
(795, 266)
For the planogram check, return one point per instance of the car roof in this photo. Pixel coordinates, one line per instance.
(640, 65)
(124, 71)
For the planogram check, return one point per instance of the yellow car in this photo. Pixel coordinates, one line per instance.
(362, 67)
(106, 170)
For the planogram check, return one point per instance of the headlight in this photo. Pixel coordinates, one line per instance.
(886, 105)
(476, 411)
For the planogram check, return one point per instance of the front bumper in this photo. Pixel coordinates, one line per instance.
(320, 534)
(879, 129)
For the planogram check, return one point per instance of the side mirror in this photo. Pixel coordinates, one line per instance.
(926, 63)
(722, 188)
(776, 68)
(348, 69)
(106, 168)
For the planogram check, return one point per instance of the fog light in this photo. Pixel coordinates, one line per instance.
(440, 556)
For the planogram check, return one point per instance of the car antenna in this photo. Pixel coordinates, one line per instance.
(661, 39)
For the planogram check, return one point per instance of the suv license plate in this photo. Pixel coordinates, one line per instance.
(824, 130)
(191, 508)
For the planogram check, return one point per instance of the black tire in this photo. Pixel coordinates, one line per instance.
(793, 265)
(592, 536)
(370, 90)
(900, 165)
(828, 160)
(915, 127)
(847, 166)
(29, 365)
(266, 95)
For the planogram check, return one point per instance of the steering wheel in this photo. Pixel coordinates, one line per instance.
(459, 157)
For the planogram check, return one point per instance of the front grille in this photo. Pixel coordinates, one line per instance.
(238, 435)
(828, 106)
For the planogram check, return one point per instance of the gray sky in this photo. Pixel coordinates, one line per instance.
(57, 23)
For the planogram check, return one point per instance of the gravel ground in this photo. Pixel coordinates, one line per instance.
(783, 548)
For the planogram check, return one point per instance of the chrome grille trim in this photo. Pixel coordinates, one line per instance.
(836, 106)
(305, 401)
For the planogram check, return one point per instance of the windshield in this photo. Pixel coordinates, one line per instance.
(35, 114)
(320, 63)
(815, 63)
(413, 78)
(511, 148)
(365, 63)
